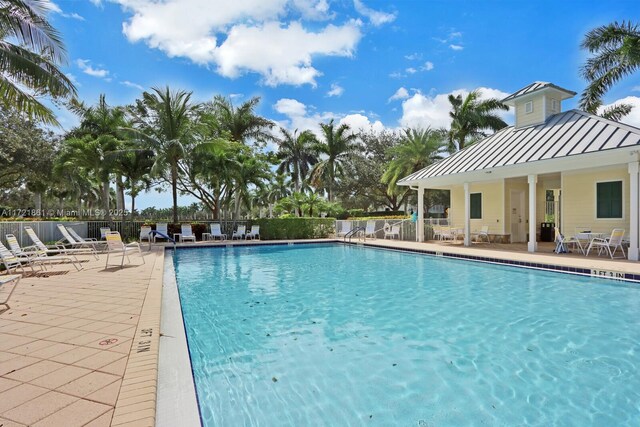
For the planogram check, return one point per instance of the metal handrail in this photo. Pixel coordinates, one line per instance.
(353, 232)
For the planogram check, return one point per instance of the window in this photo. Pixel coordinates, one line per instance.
(476, 205)
(528, 107)
(609, 199)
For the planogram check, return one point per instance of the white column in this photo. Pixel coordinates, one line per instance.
(532, 245)
(467, 215)
(634, 208)
(420, 224)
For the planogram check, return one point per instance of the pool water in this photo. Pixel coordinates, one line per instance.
(336, 335)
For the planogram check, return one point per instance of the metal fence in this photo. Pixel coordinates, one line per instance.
(408, 228)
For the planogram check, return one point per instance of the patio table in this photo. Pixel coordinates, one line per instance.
(589, 236)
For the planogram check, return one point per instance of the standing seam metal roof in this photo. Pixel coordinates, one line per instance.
(565, 134)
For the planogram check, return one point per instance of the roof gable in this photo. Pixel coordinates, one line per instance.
(535, 87)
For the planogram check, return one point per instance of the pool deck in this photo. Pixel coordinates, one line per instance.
(81, 348)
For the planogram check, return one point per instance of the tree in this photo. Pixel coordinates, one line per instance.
(30, 52)
(164, 123)
(297, 153)
(135, 166)
(616, 50)
(471, 116)
(241, 123)
(338, 144)
(251, 171)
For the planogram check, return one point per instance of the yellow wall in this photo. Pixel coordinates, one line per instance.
(492, 206)
(527, 119)
(579, 201)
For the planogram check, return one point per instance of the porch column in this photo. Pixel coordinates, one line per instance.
(467, 215)
(634, 207)
(532, 245)
(420, 224)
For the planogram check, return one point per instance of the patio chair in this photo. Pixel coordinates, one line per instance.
(346, 228)
(437, 232)
(88, 241)
(186, 233)
(563, 243)
(12, 262)
(446, 233)
(66, 236)
(116, 245)
(216, 232)
(161, 227)
(394, 233)
(103, 232)
(145, 233)
(11, 278)
(370, 229)
(614, 241)
(52, 249)
(240, 232)
(254, 233)
(483, 233)
(33, 255)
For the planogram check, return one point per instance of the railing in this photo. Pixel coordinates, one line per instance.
(353, 232)
(408, 228)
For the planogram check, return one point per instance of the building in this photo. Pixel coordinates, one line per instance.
(579, 168)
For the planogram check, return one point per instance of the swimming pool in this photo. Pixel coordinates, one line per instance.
(330, 334)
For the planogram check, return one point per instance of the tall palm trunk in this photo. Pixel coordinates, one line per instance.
(298, 178)
(105, 202)
(174, 190)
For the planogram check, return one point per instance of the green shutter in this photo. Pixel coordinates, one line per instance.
(609, 199)
(476, 205)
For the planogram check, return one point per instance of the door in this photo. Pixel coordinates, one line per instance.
(518, 220)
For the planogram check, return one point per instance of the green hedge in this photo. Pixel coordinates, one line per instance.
(294, 228)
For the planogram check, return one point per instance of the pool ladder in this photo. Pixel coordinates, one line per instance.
(353, 232)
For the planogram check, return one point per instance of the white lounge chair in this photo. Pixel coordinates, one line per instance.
(88, 241)
(346, 228)
(437, 232)
(446, 233)
(186, 233)
(53, 249)
(115, 245)
(394, 233)
(161, 227)
(240, 232)
(563, 243)
(145, 231)
(66, 236)
(370, 229)
(216, 232)
(35, 256)
(483, 233)
(614, 241)
(254, 233)
(12, 262)
(11, 278)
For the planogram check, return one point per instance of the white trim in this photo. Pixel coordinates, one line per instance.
(527, 105)
(467, 215)
(420, 229)
(623, 217)
(634, 211)
(532, 180)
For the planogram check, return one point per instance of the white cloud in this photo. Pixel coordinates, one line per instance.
(413, 56)
(428, 66)
(396, 75)
(73, 79)
(633, 118)
(456, 47)
(361, 123)
(52, 7)
(336, 90)
(131, 84)
(455, 35)
(85, 67)
(635, 89)
(242, 36)
(411, 70)
(401, 93)
(290, 107)
(375, 17)
(422, 111)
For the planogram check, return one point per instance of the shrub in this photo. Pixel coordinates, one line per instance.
(294, 228)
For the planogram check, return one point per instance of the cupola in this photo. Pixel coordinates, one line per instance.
(536, 102)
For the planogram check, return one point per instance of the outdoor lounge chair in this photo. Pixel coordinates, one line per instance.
(34, 255)
(240, 232)
(66, 236)
(88, 241)
(254, 233)
(437, 232)
(103, 232)
(614, 241)
(11, 278)
(145, 233)
(12, 262)
(394, 233)
(563, 243)
(161, 227)
(186, 233)
(483, 233)
(216, 232)
(55, 249)
(115, 245)
(446, 233)
(370, 229)
(346, 229)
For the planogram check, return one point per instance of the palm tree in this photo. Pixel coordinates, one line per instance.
(470, 117)
(30, 52)
(418, 149)
(135, 166)
(297, 153)
(251, 171)
(167, 132)
(616, 49)
(241, 123)
(338, 144)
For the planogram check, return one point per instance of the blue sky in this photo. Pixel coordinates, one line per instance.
(383, 64)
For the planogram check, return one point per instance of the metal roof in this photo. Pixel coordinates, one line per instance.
(533, 87)
(565, 134)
